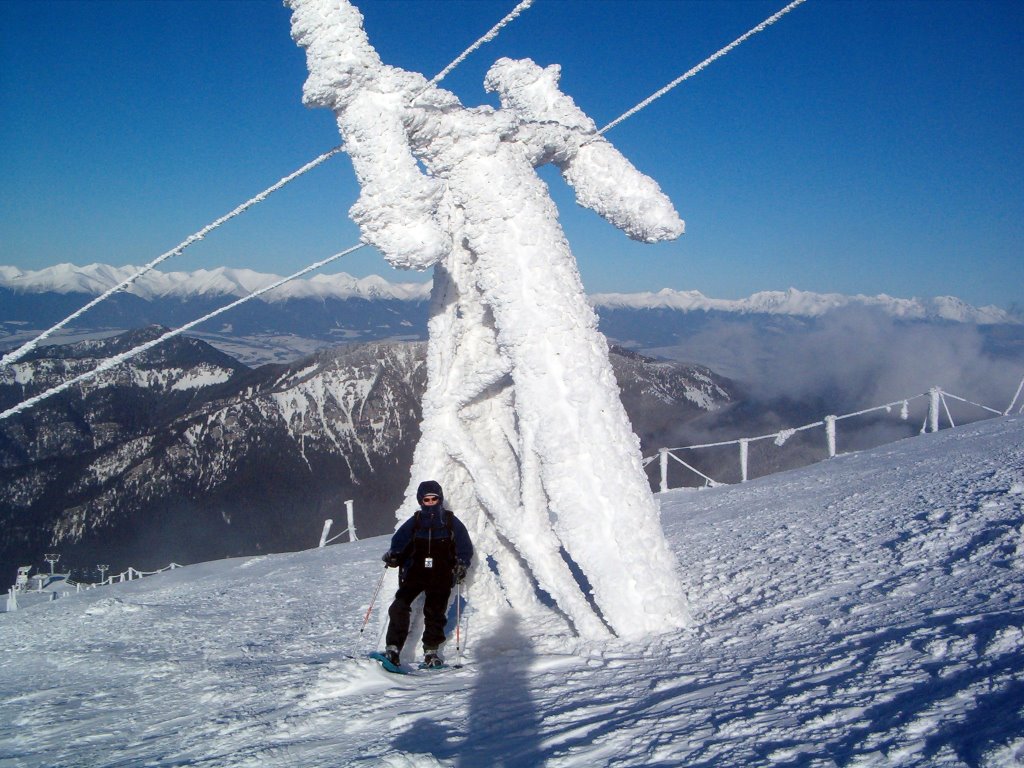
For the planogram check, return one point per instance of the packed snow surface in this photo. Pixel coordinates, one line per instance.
(865, 611)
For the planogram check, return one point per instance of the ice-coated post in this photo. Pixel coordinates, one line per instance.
(522, 416)
(663, 462)
(12, 600)
(744, 450)
(327, 529)
(349, 510)
(935, 395)
(830, 435)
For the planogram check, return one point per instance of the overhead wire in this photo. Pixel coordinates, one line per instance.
(24, 349)
(116, 360)
(29, 346)
(486, 38)
(691, 72)
(124, 356)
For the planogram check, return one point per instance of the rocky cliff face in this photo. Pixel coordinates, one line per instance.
(185, 454)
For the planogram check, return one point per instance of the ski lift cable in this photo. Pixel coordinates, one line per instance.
(690, 73)
(178, 249)
(124, 356)
(111, 362)
(486, 38)
(29, 346)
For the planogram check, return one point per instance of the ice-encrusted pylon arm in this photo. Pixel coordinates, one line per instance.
(522, 421)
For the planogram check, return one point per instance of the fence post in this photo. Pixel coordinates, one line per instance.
(351, 521)
(12, 600)
(830, 434)
(933, 409)
(1014, 401)
(663, 462)
(744, 442)
(327, 530)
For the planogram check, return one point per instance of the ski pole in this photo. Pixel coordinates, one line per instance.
(373, 600)
(458, 625)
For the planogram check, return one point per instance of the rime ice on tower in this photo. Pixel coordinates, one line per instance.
(522, 421)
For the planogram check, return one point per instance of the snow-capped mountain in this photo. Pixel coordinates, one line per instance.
(184, 453)
(94, 279)
(859, 612)
(730, 337)
(806, 304)
(174, 455)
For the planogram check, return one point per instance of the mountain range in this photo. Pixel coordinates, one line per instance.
(94, 279)
(285, 408)
(186, 454)
(728, 336)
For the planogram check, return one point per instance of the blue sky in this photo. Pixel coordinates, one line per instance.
(857, 146)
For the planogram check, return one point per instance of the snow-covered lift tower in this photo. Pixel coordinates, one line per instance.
(522, 421)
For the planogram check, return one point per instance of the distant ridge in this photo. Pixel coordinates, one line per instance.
(222, 281)
(93, 279)
(807, 304)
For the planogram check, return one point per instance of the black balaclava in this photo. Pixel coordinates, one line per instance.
(430, 486)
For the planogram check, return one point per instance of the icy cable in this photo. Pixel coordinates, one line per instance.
(687, 75)
(111, 362)
(491, 34)
(124, 284)
(971, 402)
(30, 345)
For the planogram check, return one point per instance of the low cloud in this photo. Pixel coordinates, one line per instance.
(856, 358)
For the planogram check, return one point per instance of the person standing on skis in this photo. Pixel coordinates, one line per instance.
(432, 551)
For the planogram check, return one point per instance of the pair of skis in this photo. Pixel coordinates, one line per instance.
(388, 666)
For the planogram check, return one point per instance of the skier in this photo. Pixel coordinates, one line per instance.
(433, 551)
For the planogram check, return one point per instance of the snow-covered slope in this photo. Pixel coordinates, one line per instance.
(866, 611)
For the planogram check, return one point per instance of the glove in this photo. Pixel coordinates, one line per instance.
(459, 572)
(391, 559)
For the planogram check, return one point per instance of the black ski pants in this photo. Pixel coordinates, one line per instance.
(435, 612)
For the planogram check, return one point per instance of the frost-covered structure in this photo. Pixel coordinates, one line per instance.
(522, 421)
